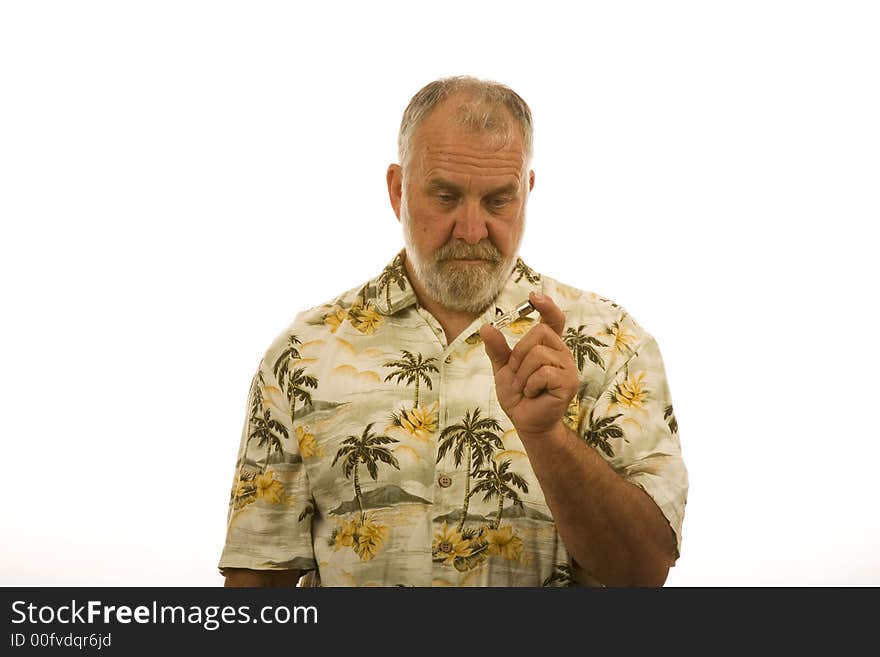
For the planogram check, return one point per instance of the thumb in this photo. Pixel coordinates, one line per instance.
(496, 346)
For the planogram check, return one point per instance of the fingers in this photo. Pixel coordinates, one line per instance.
(496, 347)
(547, 379)
(551, 315)
(539, 334)
(540, 356)
(541, 347)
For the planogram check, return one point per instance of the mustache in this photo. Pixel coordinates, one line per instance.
(483, 250)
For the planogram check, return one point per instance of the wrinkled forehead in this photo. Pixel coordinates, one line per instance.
(462, 133)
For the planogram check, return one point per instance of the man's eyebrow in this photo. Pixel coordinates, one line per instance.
(436, 184)
(509, 188)
(441, 184)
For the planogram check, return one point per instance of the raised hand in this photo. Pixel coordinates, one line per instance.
(536, 380)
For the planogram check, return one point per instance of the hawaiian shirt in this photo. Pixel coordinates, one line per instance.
(376, 454)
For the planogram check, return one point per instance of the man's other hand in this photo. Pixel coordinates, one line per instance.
(537, 379)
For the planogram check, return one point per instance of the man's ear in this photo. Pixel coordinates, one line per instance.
(531, 180)
(394, 178)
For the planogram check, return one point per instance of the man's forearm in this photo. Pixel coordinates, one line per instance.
(611, 527)
(244, 577)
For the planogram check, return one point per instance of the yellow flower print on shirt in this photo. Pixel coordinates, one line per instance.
(631, 392)
(365, 538)
(244, 492)
(449, 545)
(335, 317)
(345, 534)
(503, 542)
(308, 444)
(269, 489)
(572, 413)
(370, 538)
(419, 422)
(622, 339)
(521, 325)
(365, 319)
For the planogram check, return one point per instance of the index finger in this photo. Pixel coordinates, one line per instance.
(496, 346)
(551, 315)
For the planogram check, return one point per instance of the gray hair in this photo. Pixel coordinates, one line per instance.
(480, 112)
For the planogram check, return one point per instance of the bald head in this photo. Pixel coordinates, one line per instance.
(478, 105)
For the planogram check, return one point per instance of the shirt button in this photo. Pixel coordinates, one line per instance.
(445, 481)
(446, 546)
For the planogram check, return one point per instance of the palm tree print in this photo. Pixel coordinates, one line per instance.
(368, 448)
(412, 368)
(286, 357)
(293, 382)
(256, 406)
(476, 437)
(306, 512)
(498, 481)
(268, 432)
(523, 270)
(669, 416)
(601, 430)
(263, 429)
(608, 301)
(583, 346)
(393, 274)
(296, 385)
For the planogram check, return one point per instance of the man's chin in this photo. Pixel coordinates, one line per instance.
(489, 267)
(467, 303)
(465, 292)
(464, 285)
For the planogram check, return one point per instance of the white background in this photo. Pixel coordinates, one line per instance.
(178, 179)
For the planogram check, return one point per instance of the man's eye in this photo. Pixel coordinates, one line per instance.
(445, 198)
(498, 203)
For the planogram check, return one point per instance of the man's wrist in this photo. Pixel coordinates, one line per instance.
(555, 432)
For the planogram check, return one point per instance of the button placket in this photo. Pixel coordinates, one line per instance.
(441, 465)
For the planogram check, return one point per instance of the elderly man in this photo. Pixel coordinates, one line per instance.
(394, 436)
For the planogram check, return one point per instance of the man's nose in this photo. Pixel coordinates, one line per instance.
(470, 224)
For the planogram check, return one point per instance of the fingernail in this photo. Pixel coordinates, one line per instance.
(539, 296)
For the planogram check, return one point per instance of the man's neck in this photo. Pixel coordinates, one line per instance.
(453, 322)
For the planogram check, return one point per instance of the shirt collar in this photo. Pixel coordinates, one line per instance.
(393, 291)
(523, 280)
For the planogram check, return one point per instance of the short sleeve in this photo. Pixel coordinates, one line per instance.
(270, 505)
(632, 424)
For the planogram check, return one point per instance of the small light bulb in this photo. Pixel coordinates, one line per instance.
(521, 310)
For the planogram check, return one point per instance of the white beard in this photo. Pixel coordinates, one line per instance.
(456, 286)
